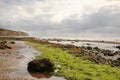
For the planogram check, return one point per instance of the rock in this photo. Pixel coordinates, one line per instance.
(107, 53)
(68, 46)
(12, 42)
(76, 40)
(72, 42)
(8, 47)
(96, 48)
(117, 52)
(89, 48)
(88, 44)
(118, 59)
(116, 63)
(58, 40)
(97, 59)
(3, 46)
(118, 47)
(42, 66)
(3, 42)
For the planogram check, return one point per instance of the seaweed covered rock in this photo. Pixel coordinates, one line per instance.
(117, 52)
(118, 47)
(96, 48)
(89, 48)
(43, 66)
(97, 59)
(116, 63)
(12, 42)
(108, 53)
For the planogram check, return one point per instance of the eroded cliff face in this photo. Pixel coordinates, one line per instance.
(6, 32)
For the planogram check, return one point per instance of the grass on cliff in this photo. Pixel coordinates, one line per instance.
(74, 68)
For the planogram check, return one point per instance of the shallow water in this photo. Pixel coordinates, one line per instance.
(29, 54)
(106, 46)
(109, 46)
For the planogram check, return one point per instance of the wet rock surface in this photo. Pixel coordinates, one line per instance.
(102, 56)
(4, 45)
(12, 42)
(118, 47)
(94, 54)
(116, 63)
(97, 59)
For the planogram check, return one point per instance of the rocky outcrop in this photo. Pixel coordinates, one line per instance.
(6, 32)
(97, 59)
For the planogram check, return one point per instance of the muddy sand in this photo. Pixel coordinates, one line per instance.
(13, 62)
(8, 59)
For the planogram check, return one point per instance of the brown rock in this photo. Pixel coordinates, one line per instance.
(43, 66)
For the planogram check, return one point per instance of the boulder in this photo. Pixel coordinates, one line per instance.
(117, 52)
(43, 66)
(118, 59)
(108, 53)
(118, 47)
(12, 42)
(88, 44)
(116, 63)
(96, 48)
(89, 48)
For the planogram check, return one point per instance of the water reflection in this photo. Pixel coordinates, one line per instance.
(29, 54)
(39, 75)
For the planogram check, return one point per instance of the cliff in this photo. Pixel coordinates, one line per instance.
(7, 32)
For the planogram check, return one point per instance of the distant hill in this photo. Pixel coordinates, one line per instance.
(7, 32)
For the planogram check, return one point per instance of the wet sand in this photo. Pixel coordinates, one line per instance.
(8, 59)
(13, 63)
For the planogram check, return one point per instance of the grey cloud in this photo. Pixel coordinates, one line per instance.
(104, 23)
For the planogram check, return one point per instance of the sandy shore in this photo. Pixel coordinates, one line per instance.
(8, 59)
(13, 63)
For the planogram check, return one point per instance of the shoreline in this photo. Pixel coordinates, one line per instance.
(14, 62)
(49, 39)
(8, 59)
(67, 56)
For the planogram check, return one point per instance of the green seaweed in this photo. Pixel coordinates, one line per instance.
(75, 68)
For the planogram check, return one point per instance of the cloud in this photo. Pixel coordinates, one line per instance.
(62, 18)
(104, 23)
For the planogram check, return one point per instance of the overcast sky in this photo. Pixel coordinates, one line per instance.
(87, 19)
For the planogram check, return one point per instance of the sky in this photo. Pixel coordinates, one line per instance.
(84, 19)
